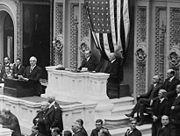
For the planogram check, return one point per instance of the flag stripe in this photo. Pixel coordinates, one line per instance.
(110, 24)
(112, 21)
(110, 42)
(122, 28)
(126, 20)
(115, 18)
(102, 45)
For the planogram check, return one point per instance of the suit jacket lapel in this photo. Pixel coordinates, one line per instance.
(50, 110)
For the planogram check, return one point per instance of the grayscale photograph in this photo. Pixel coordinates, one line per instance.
(89, 67)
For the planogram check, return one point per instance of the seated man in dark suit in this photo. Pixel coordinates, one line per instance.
(32, 75)
(145, 100)
(159, 108)
(18, 68)
(175, 114)
(10, 121)
(170, 86)
(165, 129)
(89, 63)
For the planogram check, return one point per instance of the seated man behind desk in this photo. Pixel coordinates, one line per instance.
(18, 68)
(32, 75)
(90, 62)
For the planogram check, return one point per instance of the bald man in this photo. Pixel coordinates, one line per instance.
(32, 75)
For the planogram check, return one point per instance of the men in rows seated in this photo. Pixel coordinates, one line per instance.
(89, 63)
(170, 86)
(175, 114)
(159, 108)
(145, 100)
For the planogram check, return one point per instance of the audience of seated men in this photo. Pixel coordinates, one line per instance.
(165, 129)
(89, 63)
(159, 108)
(32, 76)
(175, 114)
(170, 86)
(145, 100)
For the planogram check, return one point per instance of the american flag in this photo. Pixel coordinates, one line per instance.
(109, 22)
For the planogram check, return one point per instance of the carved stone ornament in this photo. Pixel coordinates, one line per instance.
(84, 45)
(141, 53)
(174, 57)
(58, 43)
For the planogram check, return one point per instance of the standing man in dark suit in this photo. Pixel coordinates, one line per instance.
(115, 76)
(175, 114)
(32, 75)
(39, 121)
(18, 68)
(53, 116)
(90, 61)
(133, 131)
(10, 121)
(159, 108)
(145, 100)
(170, 86)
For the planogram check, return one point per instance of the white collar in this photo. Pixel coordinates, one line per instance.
(113, 60)
(88, 58)
(51, 104)
(161, 100)
(32, 67)
(171, 78)
(178, 94)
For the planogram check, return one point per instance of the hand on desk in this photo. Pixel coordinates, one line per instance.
(22, 78)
